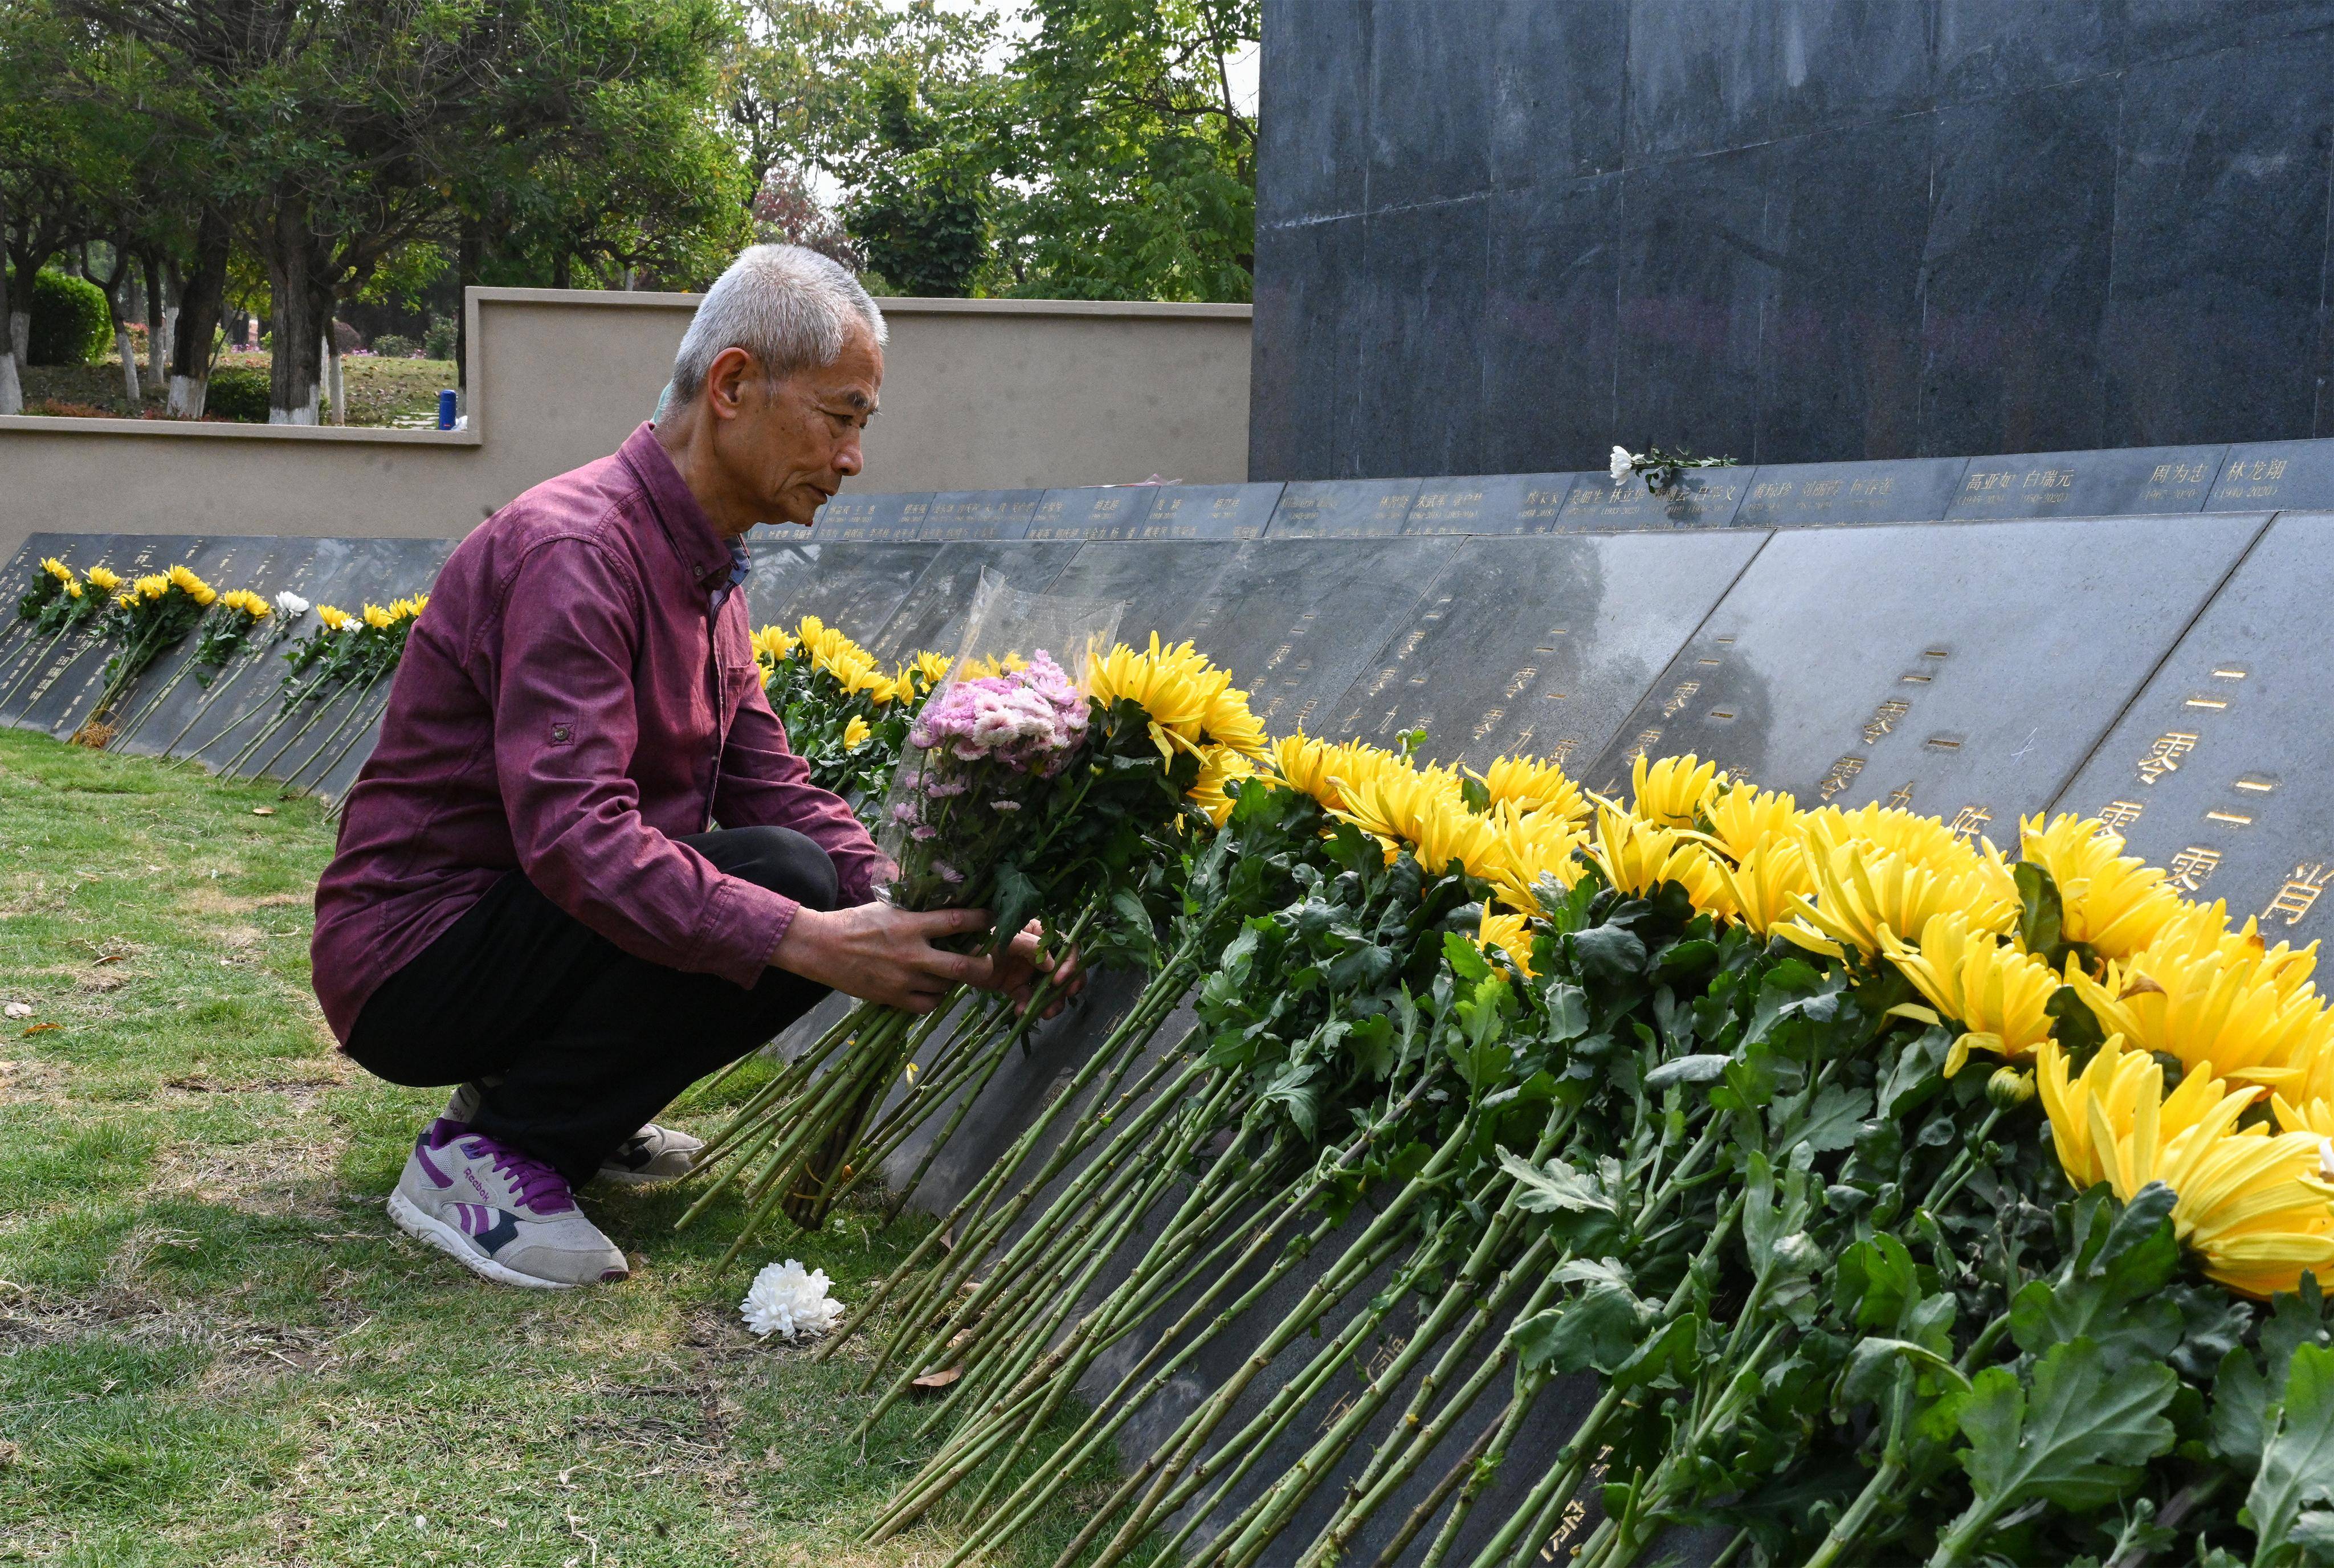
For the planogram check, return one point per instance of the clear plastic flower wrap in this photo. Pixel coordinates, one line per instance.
(986, 754)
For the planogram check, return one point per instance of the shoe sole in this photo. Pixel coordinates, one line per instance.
(447, 1239)
(622, 1177)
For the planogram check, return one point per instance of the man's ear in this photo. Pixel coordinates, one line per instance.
(727, 380)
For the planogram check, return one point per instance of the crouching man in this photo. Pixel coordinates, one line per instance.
(531, 900)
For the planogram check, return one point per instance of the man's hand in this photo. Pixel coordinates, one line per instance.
(1018, 970)
(879, 953)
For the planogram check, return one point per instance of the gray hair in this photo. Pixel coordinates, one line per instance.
(790, 308)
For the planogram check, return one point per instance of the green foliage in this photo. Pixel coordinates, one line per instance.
(237, 393)
(390, 345)
(438, 343)
(69, 324)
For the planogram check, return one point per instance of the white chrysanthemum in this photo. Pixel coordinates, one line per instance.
(785, 1300)
(1624, 464)
(290, 605)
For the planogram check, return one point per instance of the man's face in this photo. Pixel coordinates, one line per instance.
(797, 439)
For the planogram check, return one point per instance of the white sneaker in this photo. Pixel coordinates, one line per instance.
(650, 1156)
(499, 1214)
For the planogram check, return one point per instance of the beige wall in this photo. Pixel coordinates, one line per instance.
(978, 395)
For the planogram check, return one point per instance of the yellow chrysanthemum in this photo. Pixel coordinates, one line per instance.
(1862, 889)
(2204, 929)
(104, 580)
(1190, 702)
(1671, 792)
(73, 590)
(925, 670)
(1638, 856)
(773, 643)
(827, 646)
(1421, 808)
(1742, 818)
(1908, 835)
(378, 619)
(1219, 764)
(2115, 903)
(57, 569)
(1312, 765)
(854, 731)
(150, 587)
(1760, 890)
(1530, 845)
(126, 601)
(244, 601)
(1529, 785)
(1510, 934)
(184, 579)
(2210, 1013)
(335, 620)
(1995, 992)
(2251, 1206)
(858, 674)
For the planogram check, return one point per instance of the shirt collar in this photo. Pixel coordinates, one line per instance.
(712, 560)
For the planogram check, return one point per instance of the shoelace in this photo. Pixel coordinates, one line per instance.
(537, 1186)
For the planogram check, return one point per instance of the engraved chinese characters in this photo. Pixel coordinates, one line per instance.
(2274, 474)
(2143, 480)
(1539, 646)
(1965, 671)
(1914, 490)
(2219, 771)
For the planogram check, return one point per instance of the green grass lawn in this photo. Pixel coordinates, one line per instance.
(379, 391)
(215, 1349)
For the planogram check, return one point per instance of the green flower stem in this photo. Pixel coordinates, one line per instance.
(291, 701)
(315, 719)
(40, 661)
(252, 654)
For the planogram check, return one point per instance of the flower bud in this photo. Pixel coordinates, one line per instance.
(2009, 1087)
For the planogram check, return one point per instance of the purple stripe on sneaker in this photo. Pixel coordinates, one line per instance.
(438, 1176)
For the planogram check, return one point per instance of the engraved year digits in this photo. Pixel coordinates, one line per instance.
(1838, 776)
(2116, 816)
(1968, 821)
(2193, 867)
(1883, 720)
(2164, 756)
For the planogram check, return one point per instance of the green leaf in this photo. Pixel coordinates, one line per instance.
(1555, 1189)
(1018, 903)
(2039, 915)
(2111, 1291)
(1701, 1069)
(2297, 1463)
(1833, 1121)
(1598, 1333)
(2079, 1439)
(1609, 953)
(1464, 958)
(1670, 1353)
(1872, 1366)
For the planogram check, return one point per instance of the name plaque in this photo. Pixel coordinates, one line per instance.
(2270, 476)
(1092, 512)
(1495, 504)
(2137, 482)
(2219, 771)
(1210, 512)
(956, 515)
(1703, 498)
(1341, 508)
(1899, 663)
(1806, 495)
(1540, 647)
(899, 515)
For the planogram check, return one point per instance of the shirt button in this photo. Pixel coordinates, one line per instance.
(559, 732)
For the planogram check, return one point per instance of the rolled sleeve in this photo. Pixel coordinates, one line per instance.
(561, 675)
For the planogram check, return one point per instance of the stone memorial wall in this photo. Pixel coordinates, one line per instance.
(1966, 637)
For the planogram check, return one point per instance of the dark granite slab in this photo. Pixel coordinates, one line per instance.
(1092, 512)
(2015, 261)
(1551, 322)
(1341, 508)
(1429, 109)
(957, 515)
(2219, 771)
(1799, 495)
(1540, 647)
(1899, 663)
(1313, 92)
(2216, 327)
(854, 586)
(2270, 476)
(1305, 376)
(1558, 80)
(1704, 499)
(1700, 281)
(1492, 504)
(1164, 582)
(2137, 482)
(894, 516)
(1425, 282)
(1207, 512)
(932, 615)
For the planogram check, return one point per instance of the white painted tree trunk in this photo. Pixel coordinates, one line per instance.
(159, 351)
(19, 324)
(332, 378)
(121, 346)
(12, 391)
(187, 395)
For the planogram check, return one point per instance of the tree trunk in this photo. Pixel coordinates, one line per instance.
(202, 300)
(12, 389)
(115, 284)
(294, 319)
(339, 389)
(156, 328)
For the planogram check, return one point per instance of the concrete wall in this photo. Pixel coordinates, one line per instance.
(978, 395)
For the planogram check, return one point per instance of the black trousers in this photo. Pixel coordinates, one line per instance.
(587, 1041)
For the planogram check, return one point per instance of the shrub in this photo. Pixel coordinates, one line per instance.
(393, 346)
(69, 323)
(236, 393)
(438, 343)
(346, 339)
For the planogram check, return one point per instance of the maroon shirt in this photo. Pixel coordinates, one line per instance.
(580, 693)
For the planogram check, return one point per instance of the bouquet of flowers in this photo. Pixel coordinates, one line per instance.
(146, 617)
(843, 716)
(71, 606)
(221, 634)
